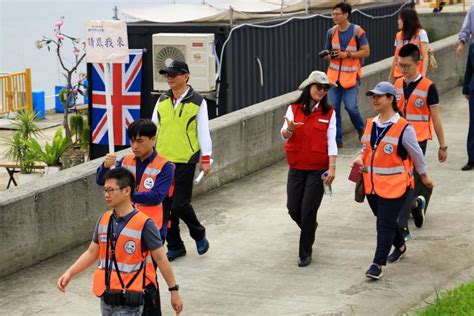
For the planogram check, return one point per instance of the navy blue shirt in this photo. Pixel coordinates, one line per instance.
(344, 38)
(160, 188)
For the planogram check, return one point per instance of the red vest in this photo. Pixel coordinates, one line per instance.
(307, 148)
(147, 181)
(416, 109)
(388, 175)
(129, 255)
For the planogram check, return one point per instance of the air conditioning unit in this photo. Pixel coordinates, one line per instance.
(194, 49)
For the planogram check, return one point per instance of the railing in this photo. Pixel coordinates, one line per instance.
(15, 92)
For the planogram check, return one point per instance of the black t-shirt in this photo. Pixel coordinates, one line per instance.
(432, 97)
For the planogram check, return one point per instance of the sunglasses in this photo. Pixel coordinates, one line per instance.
(323, 87)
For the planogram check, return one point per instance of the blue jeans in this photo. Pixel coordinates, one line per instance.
(349, 96)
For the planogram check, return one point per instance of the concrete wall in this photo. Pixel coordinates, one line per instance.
(440, 26)
(45, 218)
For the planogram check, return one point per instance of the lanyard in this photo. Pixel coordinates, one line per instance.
(378, 137)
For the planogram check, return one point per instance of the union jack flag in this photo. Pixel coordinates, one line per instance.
(125, 91)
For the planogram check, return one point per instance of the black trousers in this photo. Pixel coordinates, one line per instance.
(470, 134)
(181, 208)
(305, 192)
(388, 231)
(420, 189)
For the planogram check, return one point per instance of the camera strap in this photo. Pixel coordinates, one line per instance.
(111, 242)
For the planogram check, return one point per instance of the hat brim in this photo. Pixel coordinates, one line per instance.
(374, 91)
(308, 82)
(168, 71)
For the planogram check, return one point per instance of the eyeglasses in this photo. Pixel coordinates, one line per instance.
(323, 87)
(336, 13)
(404, 66)
(110, 190)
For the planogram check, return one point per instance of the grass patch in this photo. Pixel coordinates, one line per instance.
(459, 301)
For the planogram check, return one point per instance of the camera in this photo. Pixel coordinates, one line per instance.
(325, 52)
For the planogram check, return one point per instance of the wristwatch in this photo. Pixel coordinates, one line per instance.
(174, 288)
(349, 55)
(443, 148)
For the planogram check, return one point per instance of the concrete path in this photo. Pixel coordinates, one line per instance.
(251, 266)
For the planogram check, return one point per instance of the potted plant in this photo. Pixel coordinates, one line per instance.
(51, 153)
(18, 150)
(77, 151)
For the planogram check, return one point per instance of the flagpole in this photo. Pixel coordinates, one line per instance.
(108, 102)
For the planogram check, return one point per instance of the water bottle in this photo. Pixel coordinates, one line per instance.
(327, 188)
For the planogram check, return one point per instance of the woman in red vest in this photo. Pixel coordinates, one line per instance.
(410, 32)
(310, 134)
(389, 151)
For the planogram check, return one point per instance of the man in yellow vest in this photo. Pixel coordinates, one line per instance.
(417, 99)
(123, 244)
(184, 139)
(153, 173)
(347, 45)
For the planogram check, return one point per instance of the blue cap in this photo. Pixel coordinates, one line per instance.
(383, 87)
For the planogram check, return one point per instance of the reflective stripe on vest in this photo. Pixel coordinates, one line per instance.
(388, 175)
(386, 171)
(416, 109)
(343, 68)
(130, 168)
(420, 93)
(128, 254)
(418, 118)
(150, 175)
(345, 71)
(152, 171)
(123, 267)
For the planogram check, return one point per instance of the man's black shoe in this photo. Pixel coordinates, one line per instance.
(467, 167)
(419, 211)
(303, 262)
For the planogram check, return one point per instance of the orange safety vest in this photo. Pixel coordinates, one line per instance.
(388, 175)
(400, 43)
(147, 181)
(416, 110)
(131, 260)
(348, 70)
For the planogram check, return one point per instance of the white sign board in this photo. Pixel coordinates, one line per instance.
(106, 42)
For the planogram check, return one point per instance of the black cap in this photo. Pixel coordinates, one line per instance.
(176, 67)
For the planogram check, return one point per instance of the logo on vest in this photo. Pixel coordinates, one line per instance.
(388, 149)
(148, 183)
(419, 103)
(398, 97)
(130, 247)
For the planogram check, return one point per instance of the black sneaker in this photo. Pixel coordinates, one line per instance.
(374, 272)
(419, 211)
(396, 255)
